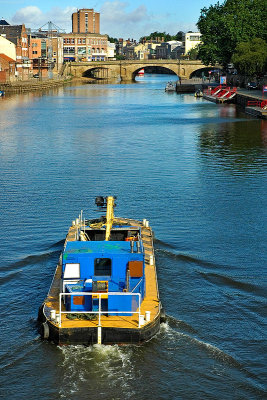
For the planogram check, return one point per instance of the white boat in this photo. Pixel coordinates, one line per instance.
(170, 87)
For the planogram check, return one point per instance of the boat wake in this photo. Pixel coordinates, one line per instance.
(176, 323)
(111, 366)
(57, 245)
(187, 258)
(173, 334)
(10, 272)
(20, 354)
(180, 338)
(30, 260)
(227, 281)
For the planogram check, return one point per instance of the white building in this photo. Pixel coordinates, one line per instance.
(167, 50)
(192, 39)
(111, 48)
(8, 48)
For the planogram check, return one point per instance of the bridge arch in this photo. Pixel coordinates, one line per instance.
(96, 73)
(204, 71)
(126, 70)
(147, 67)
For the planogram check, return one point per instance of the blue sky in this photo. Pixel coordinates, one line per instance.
(119, 18)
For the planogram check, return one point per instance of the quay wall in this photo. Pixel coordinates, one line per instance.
(29, 86)
(191, 87)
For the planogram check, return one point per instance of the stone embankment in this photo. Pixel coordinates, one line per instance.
(191, 85)
(32, 85)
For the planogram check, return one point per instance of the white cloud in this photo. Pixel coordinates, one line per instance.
(34, 18)
(27, 15)
(117, 20)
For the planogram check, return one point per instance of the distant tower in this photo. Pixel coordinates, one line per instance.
(86, 20)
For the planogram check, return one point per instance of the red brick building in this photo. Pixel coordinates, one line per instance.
(85, 43)
(7, 68)
(84, 47)
(17, 34)
(86, 20)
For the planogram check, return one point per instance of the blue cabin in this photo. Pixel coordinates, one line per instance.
(113, 268)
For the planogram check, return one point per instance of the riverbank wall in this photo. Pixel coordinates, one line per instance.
(32, 85)
(241, 99)
(190, 86)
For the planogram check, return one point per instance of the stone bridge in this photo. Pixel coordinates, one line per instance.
(126, 70)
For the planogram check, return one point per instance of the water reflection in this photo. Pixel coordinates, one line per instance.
(187, 165)
(264, 132)
(238, 145)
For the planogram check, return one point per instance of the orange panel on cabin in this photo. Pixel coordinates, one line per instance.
(78, 300)
(136, 269)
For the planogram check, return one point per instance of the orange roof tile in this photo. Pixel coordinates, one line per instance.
(5, 57)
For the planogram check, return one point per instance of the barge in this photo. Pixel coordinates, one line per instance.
(104, 289)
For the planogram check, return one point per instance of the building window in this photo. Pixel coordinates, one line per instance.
(84, 41)
(72, 271)
(79, 41)
(72, 41)
(102, 267)
(81, 50)
(69, 50)
(194, 38)
(35, 52)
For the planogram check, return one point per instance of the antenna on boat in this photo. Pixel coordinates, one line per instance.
(107, 203)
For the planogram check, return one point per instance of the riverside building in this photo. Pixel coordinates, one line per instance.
(84, 47)
(86, 20)
(85, 43)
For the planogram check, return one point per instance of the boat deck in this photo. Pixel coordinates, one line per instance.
(150, 302)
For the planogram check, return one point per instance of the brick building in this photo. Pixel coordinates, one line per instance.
(86, 20)
(7, 68)
(85, 43)
(84, 47)
(17, 34)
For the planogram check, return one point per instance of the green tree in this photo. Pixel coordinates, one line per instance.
(225, 25)
(179, 36)
(119, 57)
(193, 53)
(112, 40)
(166, 36)
(250, 58)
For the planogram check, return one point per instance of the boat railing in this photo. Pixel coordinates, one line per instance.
(136, 286)
(100, 312)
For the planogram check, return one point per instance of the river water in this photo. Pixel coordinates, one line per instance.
(198, 172)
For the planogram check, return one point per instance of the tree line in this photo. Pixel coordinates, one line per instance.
(154, 36)
(235, 32)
